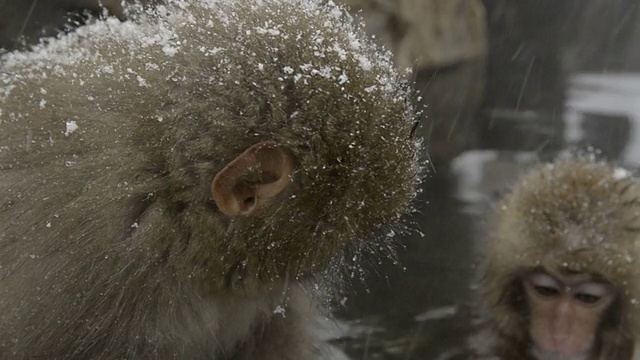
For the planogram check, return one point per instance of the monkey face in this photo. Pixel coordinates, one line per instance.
(566, 310)
(562, 268)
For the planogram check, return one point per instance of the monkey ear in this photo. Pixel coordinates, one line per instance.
(259, 173)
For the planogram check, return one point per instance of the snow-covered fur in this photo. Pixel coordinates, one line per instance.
(110, 244)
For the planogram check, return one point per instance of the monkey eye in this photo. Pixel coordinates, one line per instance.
(544, 285)
(546, 291)
(587, 298)
(591, 292)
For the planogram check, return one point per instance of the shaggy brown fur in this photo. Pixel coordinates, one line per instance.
(577, 214)
(110, 244)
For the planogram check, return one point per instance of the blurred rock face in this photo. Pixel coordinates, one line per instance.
(445, 42)
(426, 33)
(441, 32)
(603, 35)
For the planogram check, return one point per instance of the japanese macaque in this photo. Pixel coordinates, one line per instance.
(562, 278)
(173, 185)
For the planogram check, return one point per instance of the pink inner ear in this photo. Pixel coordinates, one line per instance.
(235, 188)
(277, 166)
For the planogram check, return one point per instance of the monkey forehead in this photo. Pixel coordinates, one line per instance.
(574, 204)
(567, 275)
(575, 214)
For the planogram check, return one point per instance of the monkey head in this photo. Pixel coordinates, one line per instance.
(568, 232)
(245, 139)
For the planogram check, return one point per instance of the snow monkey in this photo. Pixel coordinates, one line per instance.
(562, 279)
(174, 185)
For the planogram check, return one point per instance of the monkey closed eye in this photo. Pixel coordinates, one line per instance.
(547, 286)
(546, 291)
(591, 293)
(544, 285)
(587, 298)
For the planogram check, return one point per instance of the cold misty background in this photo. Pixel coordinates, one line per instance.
(505, 84)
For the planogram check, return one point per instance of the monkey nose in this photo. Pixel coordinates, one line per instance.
(562, 321)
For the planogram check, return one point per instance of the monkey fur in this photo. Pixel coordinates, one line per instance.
(580, 214)
(111, 245)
